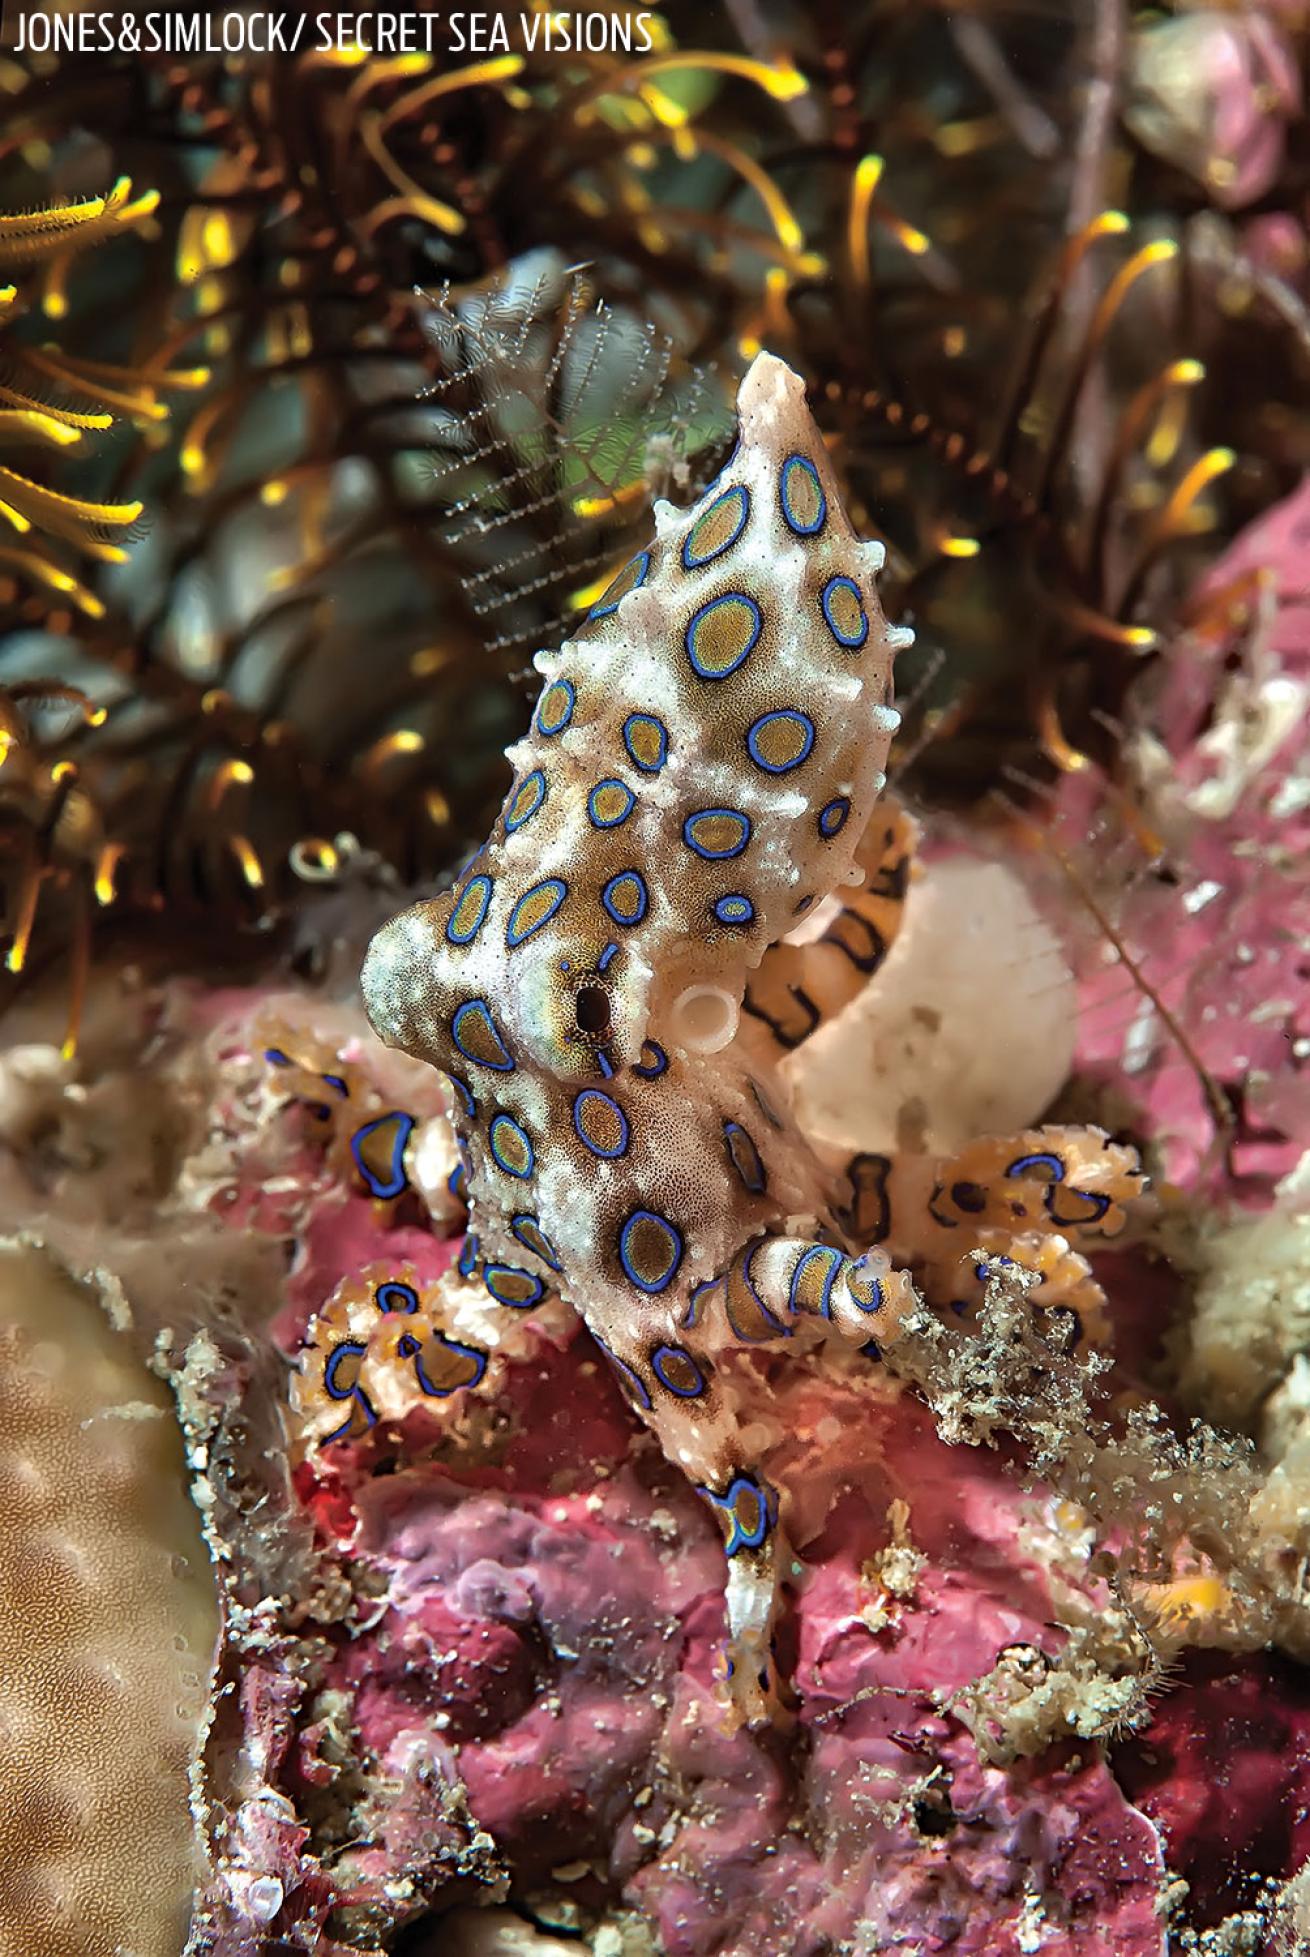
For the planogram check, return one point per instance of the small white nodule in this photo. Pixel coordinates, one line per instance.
(704, 1019)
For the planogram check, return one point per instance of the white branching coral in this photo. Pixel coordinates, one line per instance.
(108, 1629)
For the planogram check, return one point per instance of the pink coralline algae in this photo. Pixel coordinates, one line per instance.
(504, 1679)
(1222, 766)
(1224, 1773)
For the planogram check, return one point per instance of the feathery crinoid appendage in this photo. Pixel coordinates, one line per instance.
(260, 755)
(51, 401)
(558, 420)
(1075, 508)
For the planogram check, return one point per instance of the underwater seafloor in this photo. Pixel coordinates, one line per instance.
(453, 1683)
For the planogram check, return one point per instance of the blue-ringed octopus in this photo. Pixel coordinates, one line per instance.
(613, 977)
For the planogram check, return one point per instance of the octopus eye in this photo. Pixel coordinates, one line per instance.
(592, 1009)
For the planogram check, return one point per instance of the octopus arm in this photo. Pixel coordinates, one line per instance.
(797, 987)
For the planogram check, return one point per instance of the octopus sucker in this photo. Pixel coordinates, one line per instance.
(610, 985)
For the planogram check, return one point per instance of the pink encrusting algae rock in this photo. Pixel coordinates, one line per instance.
(550, 1640)
(1221, 760)
(474, 1642)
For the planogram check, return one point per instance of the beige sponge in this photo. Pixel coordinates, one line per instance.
(108, 1621)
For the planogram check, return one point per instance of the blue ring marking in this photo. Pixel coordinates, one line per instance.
(766, 720)
(457, 1182)
(543, 1247)
(692, 562)
(749, 1281)
(482, 885)
(397, 1180)
(659, 1064)
(807, 468)
(334, 1359)
(559, 890)
(479, 1009)
(717, 855)
(969, 1197)
(536, 783)
(662, 735)
(738, 1538)
(691, 1317)
(832, 817)
(553, 727)
(499, 1124)
(693, 625)
(757, 1181)
(610, 821)
(651, 1286)
(465, 1093)
(733, 908)
(1100, 1204)
(355, 1392)
(628, 1374)
(602, 610)
(496, 1273)
(1051, 1162)
(277, 1058)
(410, 1348)
(825, 1296)
(878, 1298)
(625, 1133)
(335, 1080)
(395, 1296)
(660, 1358)
(604, 1062)
(468, 1256)
(606, 957)
(844, 638)
(643, 896)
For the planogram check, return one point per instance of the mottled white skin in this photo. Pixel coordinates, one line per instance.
(688, 1132)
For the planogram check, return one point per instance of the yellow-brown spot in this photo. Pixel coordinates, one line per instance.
(600, 1123)
(717, 530)
(721, 635)
(813, 1280)
(447, 1367)
(845, 613)
(467, 916)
